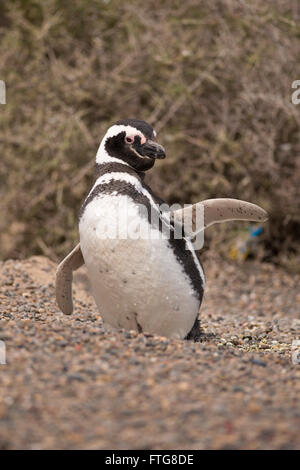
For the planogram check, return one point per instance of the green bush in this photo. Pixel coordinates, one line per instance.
(213, 77)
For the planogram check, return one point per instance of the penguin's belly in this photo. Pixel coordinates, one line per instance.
(137, 283)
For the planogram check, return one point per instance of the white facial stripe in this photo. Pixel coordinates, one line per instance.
(117, 128)
(103, 157)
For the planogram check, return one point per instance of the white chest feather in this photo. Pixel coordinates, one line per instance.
(137, 283)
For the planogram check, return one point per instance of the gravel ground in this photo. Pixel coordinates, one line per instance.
(70, 384)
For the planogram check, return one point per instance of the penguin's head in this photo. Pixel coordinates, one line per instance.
(130, 141)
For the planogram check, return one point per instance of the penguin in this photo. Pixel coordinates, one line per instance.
(144, 276)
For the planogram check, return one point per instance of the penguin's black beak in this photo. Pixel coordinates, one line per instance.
(152, 149)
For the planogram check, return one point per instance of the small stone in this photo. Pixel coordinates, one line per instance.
(264, 346)
(258, 362)
(75, 377)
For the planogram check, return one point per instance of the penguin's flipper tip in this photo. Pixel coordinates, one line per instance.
(223, 210)
(64, 278)
(264, 215)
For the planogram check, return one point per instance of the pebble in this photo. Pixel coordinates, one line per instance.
(258, 362)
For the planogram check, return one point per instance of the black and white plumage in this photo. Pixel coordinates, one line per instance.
(151, 283)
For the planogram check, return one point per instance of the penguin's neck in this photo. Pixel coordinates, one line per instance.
(116, 166)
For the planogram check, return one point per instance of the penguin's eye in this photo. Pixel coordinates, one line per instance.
(129, 139)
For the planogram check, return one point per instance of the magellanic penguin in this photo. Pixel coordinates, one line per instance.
(147, 278)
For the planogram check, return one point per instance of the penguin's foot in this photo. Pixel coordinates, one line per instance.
(197, 334)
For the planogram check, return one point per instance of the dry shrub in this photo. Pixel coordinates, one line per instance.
(213, 77)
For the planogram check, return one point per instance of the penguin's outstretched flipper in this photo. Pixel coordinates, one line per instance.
(64, 278)
(201, 215)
